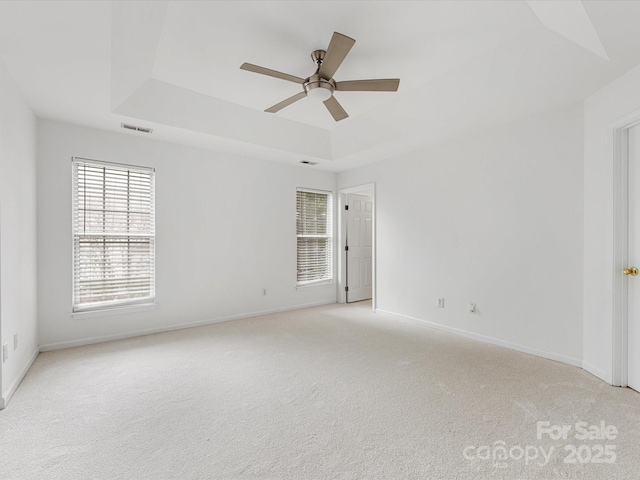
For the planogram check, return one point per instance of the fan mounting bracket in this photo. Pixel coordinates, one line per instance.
(318, 56)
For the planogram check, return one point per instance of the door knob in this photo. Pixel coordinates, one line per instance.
(633, 271)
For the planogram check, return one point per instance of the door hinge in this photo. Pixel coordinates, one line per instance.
(346, 207)
(346, 248)
(346, 289)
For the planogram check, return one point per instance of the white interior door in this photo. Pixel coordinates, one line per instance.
(633, 295)
(360, 247)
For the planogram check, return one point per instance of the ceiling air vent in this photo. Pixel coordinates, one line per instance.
(307, 162)
(136, 128)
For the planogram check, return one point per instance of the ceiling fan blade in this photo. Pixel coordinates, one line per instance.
(285, 103)
(338, 49)
(335, 109)
(379, 85)
(271, 73)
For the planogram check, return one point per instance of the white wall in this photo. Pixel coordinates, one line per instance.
(225, 228)
(495, 219)
(18, 313)
(602, 110)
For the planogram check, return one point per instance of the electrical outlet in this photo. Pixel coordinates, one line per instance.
(5, 351)
(15, 341)
(441, 303)
(264, 291)
(472, 307)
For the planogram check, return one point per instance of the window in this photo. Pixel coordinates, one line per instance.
(314, 227)
(113, 235)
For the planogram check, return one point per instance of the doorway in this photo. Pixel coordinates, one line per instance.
(356, 266)
(633, 259)
(625, 250)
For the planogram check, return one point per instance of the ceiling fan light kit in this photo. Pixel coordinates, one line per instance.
(319, 88)
(321, 84)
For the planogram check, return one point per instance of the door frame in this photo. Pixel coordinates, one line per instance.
(620, 248)
(365, 189)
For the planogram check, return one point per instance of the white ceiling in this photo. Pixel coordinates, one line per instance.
(174, 66)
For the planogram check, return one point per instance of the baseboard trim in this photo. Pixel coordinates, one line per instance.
(491, 340)
(169, 328)
(598, 372)
(8, 395)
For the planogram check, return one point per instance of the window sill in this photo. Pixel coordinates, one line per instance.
(120, 310)
(321, 283)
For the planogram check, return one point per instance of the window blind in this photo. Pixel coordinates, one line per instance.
(314, 228)
(113, 234)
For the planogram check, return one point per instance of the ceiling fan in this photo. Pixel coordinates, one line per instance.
(321, 84)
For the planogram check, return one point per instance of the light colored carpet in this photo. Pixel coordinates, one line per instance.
(321, 393)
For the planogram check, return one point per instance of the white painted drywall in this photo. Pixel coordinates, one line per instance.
(603, 109)
(225, 228)
(18, 282)
(495, 219)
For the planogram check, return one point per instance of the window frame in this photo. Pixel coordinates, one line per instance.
(330, 279)
(118, 305)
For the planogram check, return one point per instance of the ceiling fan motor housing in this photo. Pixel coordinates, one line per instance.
(318, 87)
